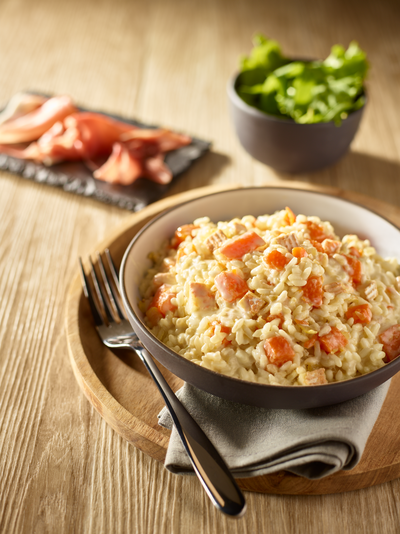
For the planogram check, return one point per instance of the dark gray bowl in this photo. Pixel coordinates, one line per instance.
(286, 145)
(345, 216)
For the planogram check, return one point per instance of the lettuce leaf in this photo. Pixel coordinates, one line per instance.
(306, 92)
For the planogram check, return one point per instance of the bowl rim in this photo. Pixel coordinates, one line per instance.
(251, 110)
(141, 325)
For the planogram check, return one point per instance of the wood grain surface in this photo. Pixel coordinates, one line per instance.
(120, 389)
(62, 468)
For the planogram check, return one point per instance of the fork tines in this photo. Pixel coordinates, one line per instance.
(103, 300)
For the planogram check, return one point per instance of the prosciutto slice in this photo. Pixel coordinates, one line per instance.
(80, 136)
(21, 104)
(121, 167)
(33, 124)
(141, 154)
(52, 130)
(124, 167)
(164, 139)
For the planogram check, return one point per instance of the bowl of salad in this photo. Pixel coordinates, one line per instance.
(298, 115)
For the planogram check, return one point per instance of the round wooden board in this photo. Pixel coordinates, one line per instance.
(120, 389)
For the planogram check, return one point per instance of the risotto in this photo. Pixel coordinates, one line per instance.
(276, 299)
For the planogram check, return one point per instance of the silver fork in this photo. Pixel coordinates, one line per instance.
(207, 463)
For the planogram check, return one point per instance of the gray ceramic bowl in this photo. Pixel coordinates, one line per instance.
(345, 216)
(286, 145)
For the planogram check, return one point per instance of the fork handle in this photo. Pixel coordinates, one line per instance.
(208, 465)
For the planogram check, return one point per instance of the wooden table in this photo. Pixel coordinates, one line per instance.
(62, 469)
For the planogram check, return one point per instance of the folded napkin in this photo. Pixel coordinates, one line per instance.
(312, 443)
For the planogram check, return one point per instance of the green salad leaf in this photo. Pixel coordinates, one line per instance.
(304, 91)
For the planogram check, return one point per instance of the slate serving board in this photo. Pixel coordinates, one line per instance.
(76, 177)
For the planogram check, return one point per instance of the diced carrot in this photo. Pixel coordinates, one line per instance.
(302, 322)
(299, 252)
(238, 246)
(310, 342)
(276, 260)
(317, 245)
(182, 233)
(231, 286)
(361, 313)
(278, 350)
(355, 252)
(313, 291)
(224, 329)
(390, 340)
(153, 316)
(270, 318)
(317, 232)
(330, 246)
(162, 300)
(353, 269)
(334, 341)
(290, 217)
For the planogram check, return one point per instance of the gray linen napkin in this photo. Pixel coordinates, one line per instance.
(253, 441)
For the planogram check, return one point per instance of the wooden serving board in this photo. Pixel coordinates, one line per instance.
(120, 389)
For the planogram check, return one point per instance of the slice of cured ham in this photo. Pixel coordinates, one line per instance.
(121, 167)
(32, 125)
(165, 139)
(117, 152)
(81, 136)
(21, 104)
